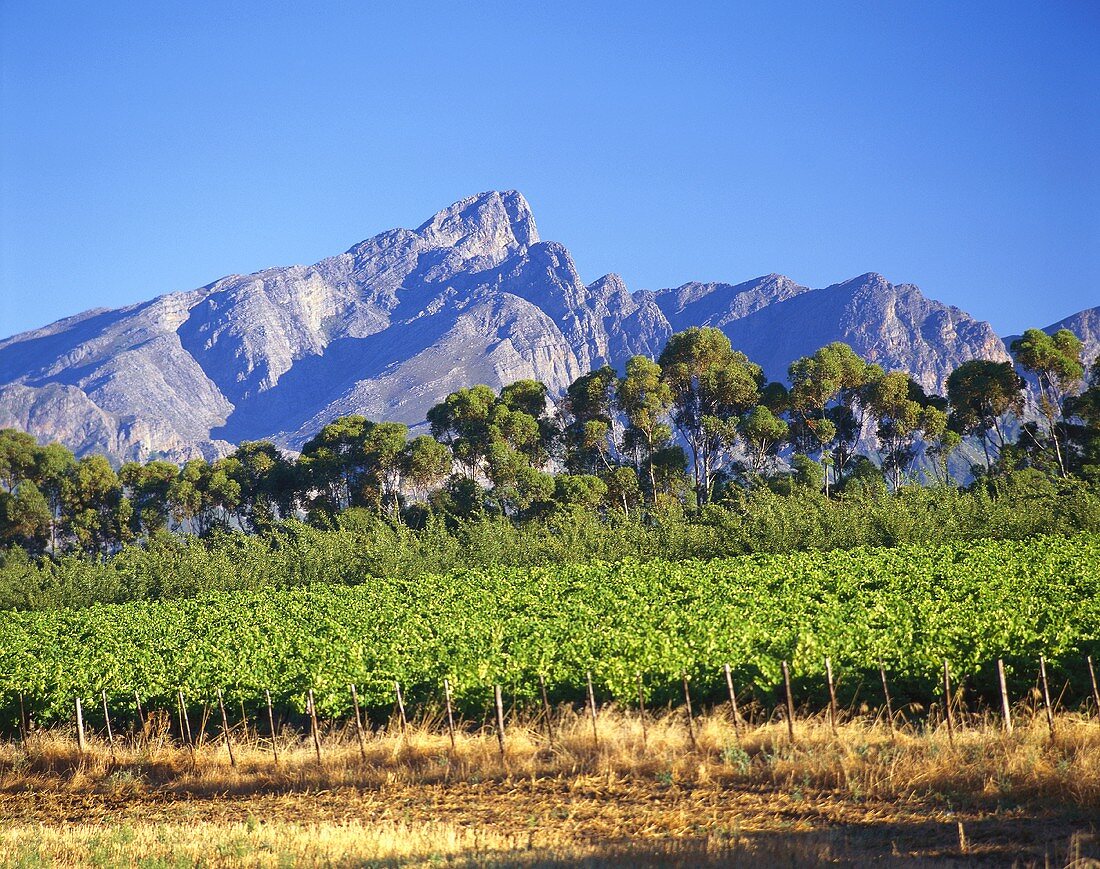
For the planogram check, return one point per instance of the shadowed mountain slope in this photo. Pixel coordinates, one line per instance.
(393, 324)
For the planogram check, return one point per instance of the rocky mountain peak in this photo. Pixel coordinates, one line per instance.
(392, 325)
(498, 217)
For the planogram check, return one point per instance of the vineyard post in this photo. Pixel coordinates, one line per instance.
(225, 729)
(200, 740)
(271, 725)
(81, 743)
(886, 694)
(312, 710)
(499, 701)
(401, 707)
(140, 711)
(790, 701)
(947, 703)
(1006, 709)
(1095, 689)
(22, 720)
(641, 710)
(450, 711)
(185, 725)
(546, 712)
(832, 692)
(690, 717)
(107, 719)
(244, 721)
(358, 722)
(185, 722)
(1046, 693)
(733, 700)
(592, 709)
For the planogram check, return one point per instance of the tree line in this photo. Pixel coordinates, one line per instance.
(697, 426)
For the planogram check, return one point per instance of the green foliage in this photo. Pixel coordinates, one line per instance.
(910, 607)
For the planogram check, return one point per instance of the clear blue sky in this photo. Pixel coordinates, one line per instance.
(151, 147)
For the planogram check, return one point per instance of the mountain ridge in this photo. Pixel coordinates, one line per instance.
(391, 325)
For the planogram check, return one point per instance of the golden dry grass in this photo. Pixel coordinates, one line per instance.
(859, 794)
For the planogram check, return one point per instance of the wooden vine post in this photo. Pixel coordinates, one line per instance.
(947, 703)
(225, 729)
(886, 694)
(450, 711)
(401, 707)
(1095, 689)
(271, 726)
(313, 729)
(547, 716)
(832, 693)
(140, 711)
(499, 702)
(359, 722)
(641, 710)
(690, 717)
(790, 701)
(185, 724)
(733, 700)
(1006, 708)
(592, 710)
(1046, 693)
(107, 719)
(81, 742)
(22, 720)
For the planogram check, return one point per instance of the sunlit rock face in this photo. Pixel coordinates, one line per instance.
(392, 325)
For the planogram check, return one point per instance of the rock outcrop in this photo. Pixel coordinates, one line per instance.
(392, 325)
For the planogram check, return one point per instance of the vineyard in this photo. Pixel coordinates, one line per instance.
(907, 609)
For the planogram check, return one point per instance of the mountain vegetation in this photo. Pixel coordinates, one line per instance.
(693, 455)
(392, 326)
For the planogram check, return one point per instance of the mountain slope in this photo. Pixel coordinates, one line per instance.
(895, 326)
(393, 324)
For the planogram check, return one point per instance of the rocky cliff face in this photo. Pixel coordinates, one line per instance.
(392, 325)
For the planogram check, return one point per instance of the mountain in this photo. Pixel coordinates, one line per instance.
(393, 324)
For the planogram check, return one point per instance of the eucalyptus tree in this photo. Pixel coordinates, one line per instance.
(905, 415)
(711, 385)
(826, 401)
(588, 410)
(1055, 361)
(425, 464)
(980, 392)
(645, 400)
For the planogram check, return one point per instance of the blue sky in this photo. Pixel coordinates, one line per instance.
(153, 147)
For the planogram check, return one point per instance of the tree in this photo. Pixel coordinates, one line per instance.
(334, 463)
(1055, 360)
(268, 484)
(589, 433)
(904, 415)
(711, 385)
(462, 422)
(25, 518)
(17, 457)
(980, 392)
(148, 487)
(383, 453)
(578, 492)
(763, 433)
(52, 465)
(825, 400)
(645, 400)
(425, 463)
(98, 514)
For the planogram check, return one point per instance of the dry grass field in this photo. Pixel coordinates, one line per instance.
(637, 797)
